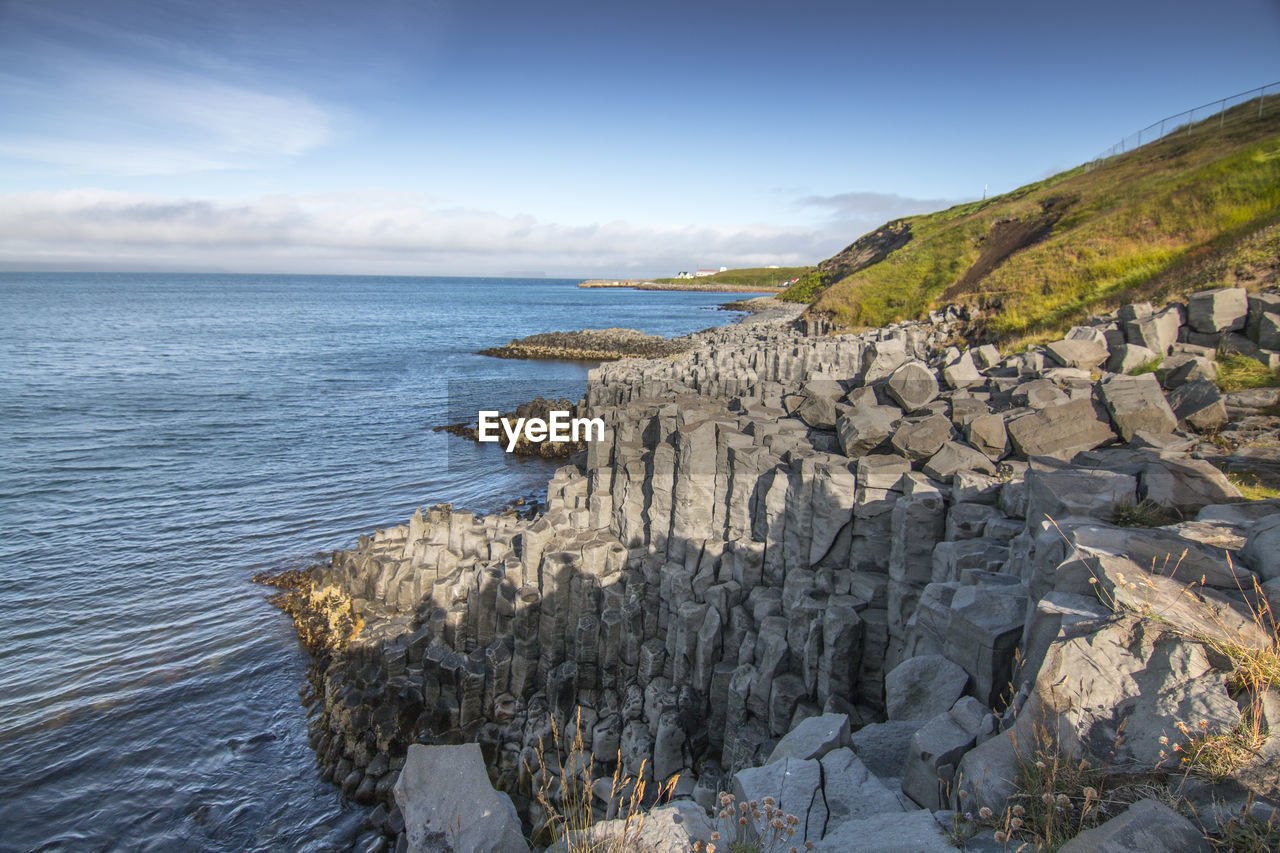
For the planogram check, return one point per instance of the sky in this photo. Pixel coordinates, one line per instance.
(566, 138)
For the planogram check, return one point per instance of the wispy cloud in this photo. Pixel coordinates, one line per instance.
(873, 207)
(365, 233)
(112, 101)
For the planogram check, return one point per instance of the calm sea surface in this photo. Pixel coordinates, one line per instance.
(165, 437)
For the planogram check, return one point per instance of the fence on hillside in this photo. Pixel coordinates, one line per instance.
(1215, 115)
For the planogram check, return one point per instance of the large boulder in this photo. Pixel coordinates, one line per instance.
(445, 789)
(1156, 332)
(1221, 310)
(1081, 354)
(1185, 484)
(1147, 825)
(822, 793)
(935, 751)
(922, 439)
(1128, 357)
(962, 373)
(922, 687)
(987, 435)
(817, 411)
(912, 386)
(1158, 550)
(1134, 676)
(813, 738)
(1137, 403)
(1262, 549)
(1077, 492)
(1198, 404)
(1061, 431)
(954, 457)
(865, 428)
(895, 832)
(674, 828)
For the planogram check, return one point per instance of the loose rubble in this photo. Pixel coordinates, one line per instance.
(850, 572)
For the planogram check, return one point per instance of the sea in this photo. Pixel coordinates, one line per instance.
(163, 438)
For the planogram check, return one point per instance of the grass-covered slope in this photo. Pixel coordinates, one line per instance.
(1190, 211)
(749, 277)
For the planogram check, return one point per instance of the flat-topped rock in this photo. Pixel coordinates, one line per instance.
(590, 345)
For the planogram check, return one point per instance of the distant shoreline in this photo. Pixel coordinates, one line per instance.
(692, 285)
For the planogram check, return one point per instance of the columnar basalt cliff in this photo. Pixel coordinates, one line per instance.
(841, 571)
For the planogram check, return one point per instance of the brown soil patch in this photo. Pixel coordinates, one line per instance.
(1005, 238)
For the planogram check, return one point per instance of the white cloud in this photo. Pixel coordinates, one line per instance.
(355, 233)
(877, 207)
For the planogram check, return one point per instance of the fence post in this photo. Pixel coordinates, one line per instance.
(1261, 98)
(1222, 115)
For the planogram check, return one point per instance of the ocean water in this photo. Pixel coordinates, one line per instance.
(165, 437)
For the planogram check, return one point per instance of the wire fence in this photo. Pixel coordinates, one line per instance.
(1215, 115)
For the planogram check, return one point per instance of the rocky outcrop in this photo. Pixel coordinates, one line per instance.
(590, 345)
(782, 535)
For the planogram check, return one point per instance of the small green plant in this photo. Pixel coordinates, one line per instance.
(1145, 513)
(1147, 367)
(1250, 486)
(1239, 372)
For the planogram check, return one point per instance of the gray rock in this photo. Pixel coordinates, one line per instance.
(922, 687)
(987, 435)
(1199, 405)
(671, 828)
(987, 775)
(813, 738)
(1269, 331)
(1082, 354)
(862, 430)
(962, 373)
(935, 751)
(1038, 394)
(851, 791)
(1262, 549)
(1137, 403)
(900, 832)
(817, 410)
(1173, 556)
(1181, 369)
(1147, 825)
(1187, 485)
(953, 457)
(912, 386)
(883, 747)
(1081, 492)
(1061, 431)
(1127, 357)
(1221, 310)
(794, 784)
(986, 357)
(447, 789)
(1157, 332)
(922, 439)
(1136, 672)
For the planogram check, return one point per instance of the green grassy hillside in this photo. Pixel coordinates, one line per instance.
(749, 277)
(1193, 210)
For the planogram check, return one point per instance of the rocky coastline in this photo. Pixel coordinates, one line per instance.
(861, 574)
(692, 285)
(590, 345)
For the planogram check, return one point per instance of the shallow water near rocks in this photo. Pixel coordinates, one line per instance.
(165, 437)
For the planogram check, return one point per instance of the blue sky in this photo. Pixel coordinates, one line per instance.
(571, 138)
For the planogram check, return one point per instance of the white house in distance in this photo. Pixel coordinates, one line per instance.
(701, 273)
